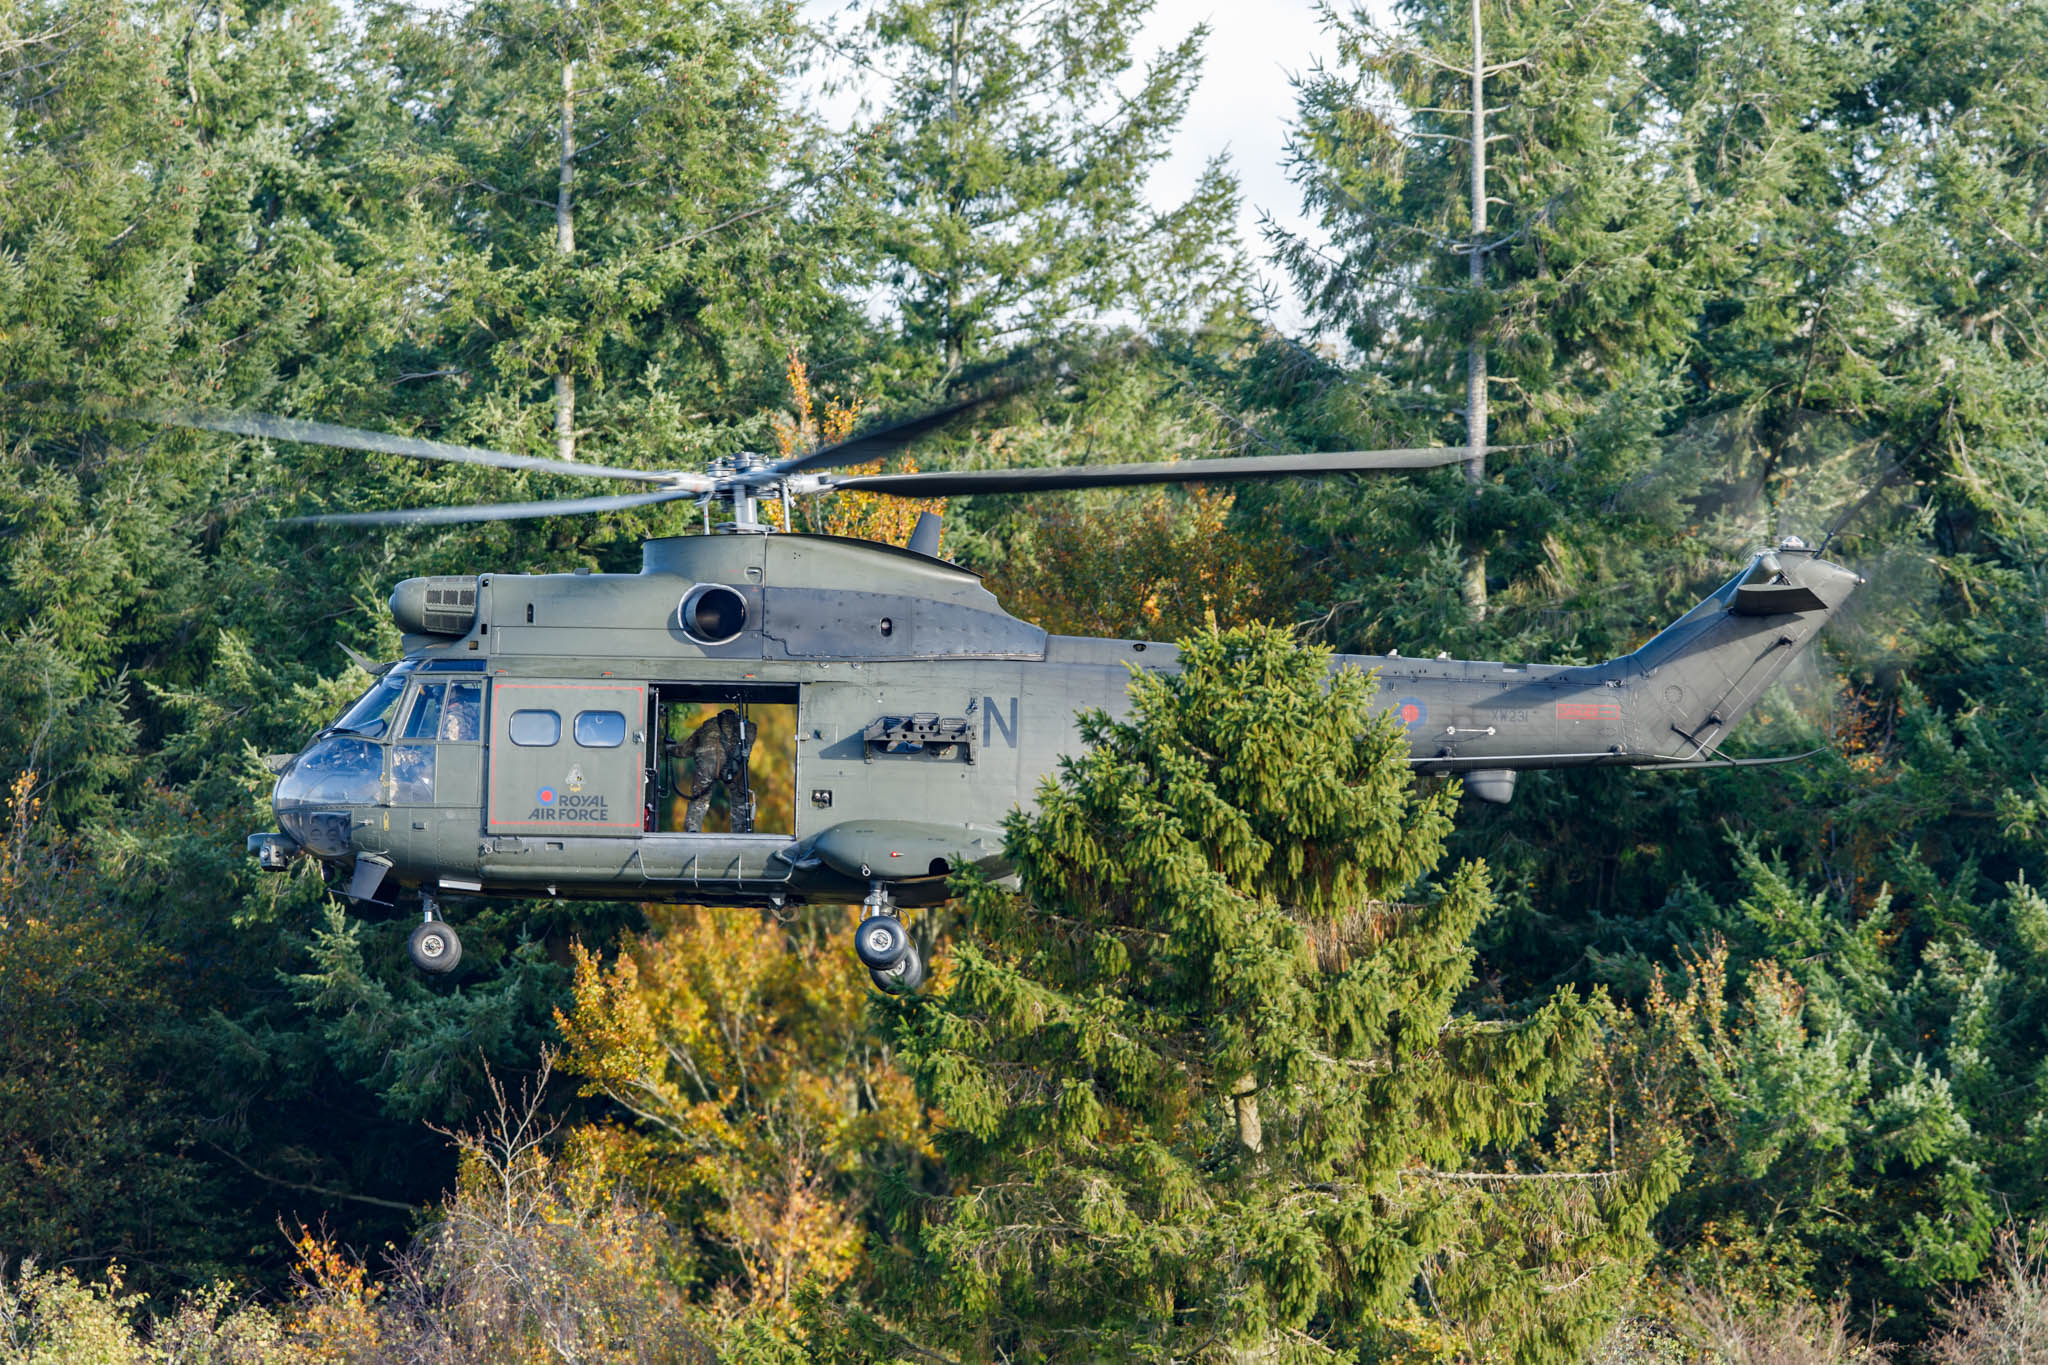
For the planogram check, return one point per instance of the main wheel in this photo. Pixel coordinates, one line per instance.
(434, 948)
(905, 977)
(880, 942)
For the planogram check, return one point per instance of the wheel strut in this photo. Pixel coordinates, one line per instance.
(878, 901)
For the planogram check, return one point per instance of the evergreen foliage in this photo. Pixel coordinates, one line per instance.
(1014, 163)
(1206, 1084)
(696, 206)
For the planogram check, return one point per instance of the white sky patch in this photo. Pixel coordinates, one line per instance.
(1244, 107)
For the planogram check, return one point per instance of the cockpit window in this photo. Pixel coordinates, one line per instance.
(424, 722)
(371, 714)
(462, 715)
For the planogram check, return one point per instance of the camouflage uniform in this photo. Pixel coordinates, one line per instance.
(718, 753)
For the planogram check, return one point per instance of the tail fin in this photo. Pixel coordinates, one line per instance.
(1706, 670)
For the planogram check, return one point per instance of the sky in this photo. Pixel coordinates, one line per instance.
(1242, 107)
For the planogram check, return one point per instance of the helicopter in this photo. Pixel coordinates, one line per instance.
(525, 745)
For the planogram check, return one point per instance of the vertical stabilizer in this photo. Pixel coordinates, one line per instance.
(1707, 670)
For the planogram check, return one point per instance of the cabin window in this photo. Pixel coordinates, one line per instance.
(534, 729)
(600, 729)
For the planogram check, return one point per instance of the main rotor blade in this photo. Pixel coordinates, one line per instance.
(941, 483)
(352, 438)
(871, 445)
(493, 511)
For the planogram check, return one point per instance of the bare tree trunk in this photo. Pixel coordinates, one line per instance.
(1244, 1100)
(1475, 358)
(565, 244)
(956, 348)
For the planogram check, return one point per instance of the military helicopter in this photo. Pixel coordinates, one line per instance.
(526, 744)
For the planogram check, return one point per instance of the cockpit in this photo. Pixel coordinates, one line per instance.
(343, 767)
(370, 714)
(346, 765)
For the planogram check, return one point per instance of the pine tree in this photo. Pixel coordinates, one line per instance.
(1208, 1086)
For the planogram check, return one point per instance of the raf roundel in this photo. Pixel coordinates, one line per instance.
(1411, 712)
(547, 796)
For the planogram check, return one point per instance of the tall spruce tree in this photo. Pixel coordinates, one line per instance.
(1207, 1085)
(1484, 182)
(629, 226)
(1014, 171)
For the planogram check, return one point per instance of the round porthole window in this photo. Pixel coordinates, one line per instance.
(712, 614)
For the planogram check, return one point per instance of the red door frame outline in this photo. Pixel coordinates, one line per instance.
(639, 769)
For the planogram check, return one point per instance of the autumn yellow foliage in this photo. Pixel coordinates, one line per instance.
(739, 1044)
(1160, 565)
(862, 516)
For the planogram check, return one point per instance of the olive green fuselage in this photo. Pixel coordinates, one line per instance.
(924, 715)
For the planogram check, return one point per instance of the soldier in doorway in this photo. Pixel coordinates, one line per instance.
(718, 753)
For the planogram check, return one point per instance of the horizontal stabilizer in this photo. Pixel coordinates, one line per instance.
(1775, 599)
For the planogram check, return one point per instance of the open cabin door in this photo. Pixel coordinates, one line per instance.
(725, 759)
(567, 758)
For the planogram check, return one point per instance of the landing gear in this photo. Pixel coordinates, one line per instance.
(903, 978)
(881, 942)
(433, 946)
(884, 946)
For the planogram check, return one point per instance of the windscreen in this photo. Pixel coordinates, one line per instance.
(371, 713)
(337, 771)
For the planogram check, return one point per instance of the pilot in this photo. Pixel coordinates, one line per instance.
(460, 721)
(718, 753)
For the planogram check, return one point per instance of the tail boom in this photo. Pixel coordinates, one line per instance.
(1671, 702)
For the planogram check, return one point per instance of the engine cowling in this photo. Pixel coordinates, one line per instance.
(442, 605)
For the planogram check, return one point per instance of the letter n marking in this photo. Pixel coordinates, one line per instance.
(992, 719)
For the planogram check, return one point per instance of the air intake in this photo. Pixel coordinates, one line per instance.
(712, 614)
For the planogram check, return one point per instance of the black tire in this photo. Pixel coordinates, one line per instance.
(906, 976)
(880, 942)
(434, 948)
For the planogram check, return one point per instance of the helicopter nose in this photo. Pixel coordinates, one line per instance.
(317, 796)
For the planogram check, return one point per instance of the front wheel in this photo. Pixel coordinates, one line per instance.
(434, 948)
(881, 942)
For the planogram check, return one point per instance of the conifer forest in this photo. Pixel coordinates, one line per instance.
(1270, 1050)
